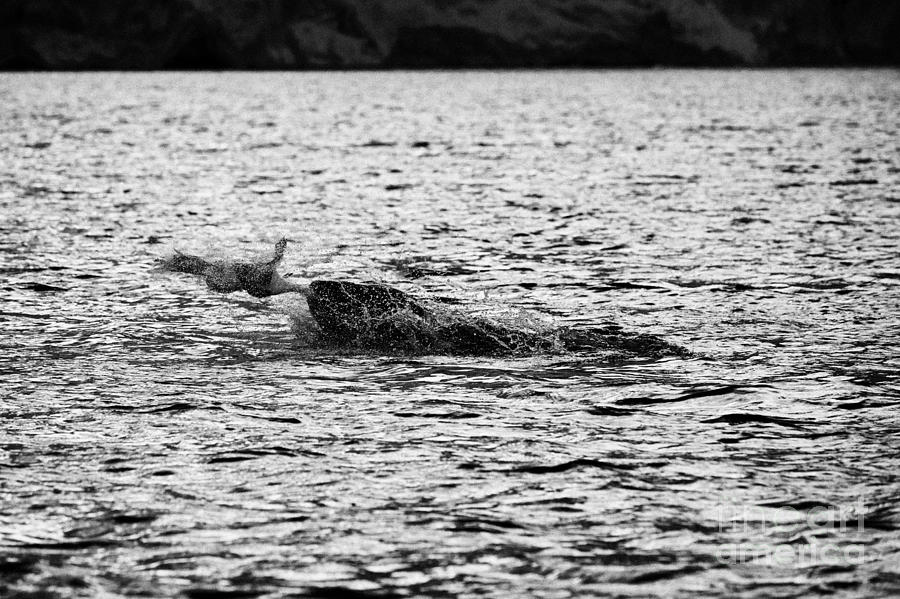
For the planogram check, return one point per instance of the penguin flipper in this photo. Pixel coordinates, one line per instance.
(279, 251)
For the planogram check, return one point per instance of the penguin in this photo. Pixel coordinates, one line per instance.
(259, 279)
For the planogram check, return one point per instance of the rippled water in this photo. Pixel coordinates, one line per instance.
(159, 438)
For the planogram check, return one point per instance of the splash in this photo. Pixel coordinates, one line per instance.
(377, 318)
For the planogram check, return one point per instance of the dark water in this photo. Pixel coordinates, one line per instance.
(161, 439)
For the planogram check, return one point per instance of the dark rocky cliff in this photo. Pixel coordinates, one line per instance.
(278, 34)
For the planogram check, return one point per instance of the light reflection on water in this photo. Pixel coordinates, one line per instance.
(160, 438)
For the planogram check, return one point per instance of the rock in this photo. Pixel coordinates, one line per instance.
(208, 34)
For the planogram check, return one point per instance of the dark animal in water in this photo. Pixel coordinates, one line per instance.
(377, 317)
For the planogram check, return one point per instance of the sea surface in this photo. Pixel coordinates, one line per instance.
(161, 439)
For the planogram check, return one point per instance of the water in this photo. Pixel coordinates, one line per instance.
(159, 438)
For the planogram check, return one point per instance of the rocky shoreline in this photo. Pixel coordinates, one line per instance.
(353, 34)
